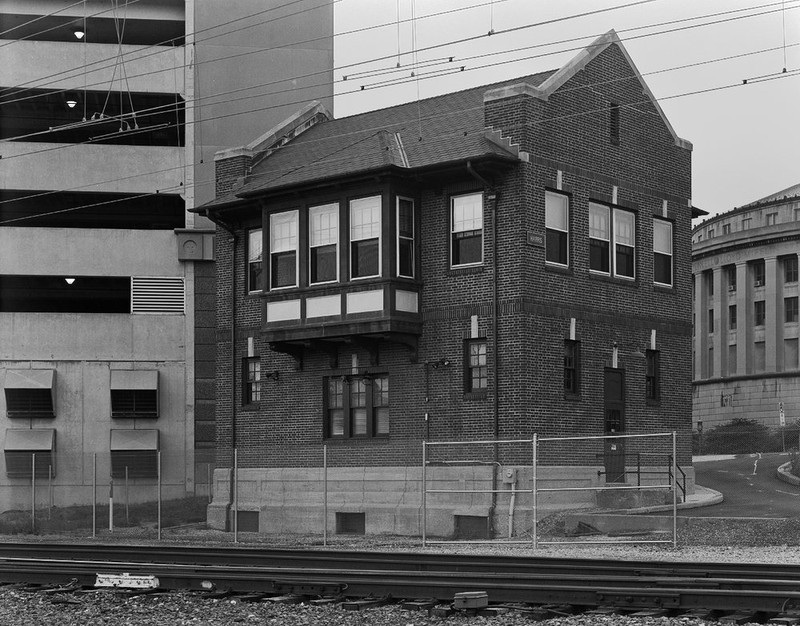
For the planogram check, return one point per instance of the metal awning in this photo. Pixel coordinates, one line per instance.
(38, 440)
(134, 379)
(30, 379)
(146, 439)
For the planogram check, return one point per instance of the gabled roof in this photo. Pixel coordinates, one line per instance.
(435, 131)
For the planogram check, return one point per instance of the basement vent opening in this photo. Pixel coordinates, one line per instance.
(247, 521)
(350, 524)
(471, 527)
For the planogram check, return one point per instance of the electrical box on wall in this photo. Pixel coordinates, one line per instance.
(509, 475)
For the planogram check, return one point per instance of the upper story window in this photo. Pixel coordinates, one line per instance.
(759, 273)
(732, 317)
(730, 272)
(653, 375)
(790, 310)
(405, 238)
(708, 275)
(283, 249)
(466, 228)
(726, 229)
(556, 209)
(662, 252)
(710, 233)
(759, 313)
(790, 269)
(365, 237)
(613, 123)
(572, 364)
(612, 230)
(772, 219)
(323, 243)
(745, 223)
(255, 244)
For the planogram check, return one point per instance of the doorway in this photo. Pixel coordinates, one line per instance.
(614, 424)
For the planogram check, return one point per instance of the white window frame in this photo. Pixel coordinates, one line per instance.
(317, 238)
(366, 232)
(560, 203)
(616, 232)
(400, 237)
(601, 236)
(666, 253)
(254, 235)
(614, 238)
(475, 221)
(283, 242)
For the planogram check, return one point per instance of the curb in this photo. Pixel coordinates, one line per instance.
(784, 473)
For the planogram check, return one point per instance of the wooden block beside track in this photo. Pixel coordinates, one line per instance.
(366, 603)
(424, 604)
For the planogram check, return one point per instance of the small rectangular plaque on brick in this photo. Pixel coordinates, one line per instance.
(535, 239)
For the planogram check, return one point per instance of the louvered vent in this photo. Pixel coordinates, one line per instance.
(162, 294)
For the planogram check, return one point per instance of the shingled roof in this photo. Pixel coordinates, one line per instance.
(434, 131)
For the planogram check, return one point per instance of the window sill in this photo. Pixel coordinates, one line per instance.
(475, 395)
(558, 269)
(359, 440)
(572, 397)
(252, 406)
(664, 288)
(623, 282)
(467, 269)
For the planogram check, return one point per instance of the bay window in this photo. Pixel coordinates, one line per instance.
(365, 237)
(323, 241)
(405, 237)
(255, 246)
(283, 249)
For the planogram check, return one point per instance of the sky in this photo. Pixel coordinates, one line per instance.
(695, 57)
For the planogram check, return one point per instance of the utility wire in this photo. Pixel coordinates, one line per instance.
(41, 17)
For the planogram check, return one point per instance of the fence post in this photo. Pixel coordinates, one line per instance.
(325, 495)
(33, 493)
(424, 495)
(158, 491)
(111, 504)
(50, 491)
(674, 489)
(235, 495)
(94, 495)
(534, 500)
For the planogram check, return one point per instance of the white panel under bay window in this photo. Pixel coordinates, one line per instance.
(323, 306)
(365, 301)
(283, 310)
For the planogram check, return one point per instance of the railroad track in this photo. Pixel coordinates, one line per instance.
(581, 583)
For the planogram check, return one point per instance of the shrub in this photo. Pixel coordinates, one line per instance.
(739, 436)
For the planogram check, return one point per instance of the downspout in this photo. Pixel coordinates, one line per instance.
(492, 196)
(232, 240)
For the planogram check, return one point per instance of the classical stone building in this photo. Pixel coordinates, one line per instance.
(503, 261)
(744, 264)
(110, 113)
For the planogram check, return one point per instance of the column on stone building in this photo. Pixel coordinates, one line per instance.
(773, 323)
(701, 326)
(744, 321)
(719, 339)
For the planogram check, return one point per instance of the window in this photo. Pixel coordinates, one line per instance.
(759, 273)
(745, 223)
(476, 370)
(134, 394)
(255, 245)
(710, 233)
(709, 276)
(405, 238)
(613, 123)
(365, 237)
(323, 243)
(357, 406)
(30, 393)
(556, 209)
(732, 317)
(251, 377)
(730, 273)
(283, 249)
(134, 453)
(662, 252)
(759, 312)
(726, 229)
(711, 320)
(612, 230)
(466, 227)
(652, 375)
(790, 310)
(572, 366)
(772, 219)
(790, 269)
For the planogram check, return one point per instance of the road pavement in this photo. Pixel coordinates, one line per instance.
(749, 485)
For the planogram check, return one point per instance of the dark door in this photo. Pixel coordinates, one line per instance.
(614, 424)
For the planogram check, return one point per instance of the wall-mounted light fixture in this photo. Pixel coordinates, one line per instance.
(443, 362)
(69, 280)
(272, 375)
(71, 102)
(79, 33)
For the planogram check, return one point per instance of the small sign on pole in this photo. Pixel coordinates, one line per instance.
(781, 414)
